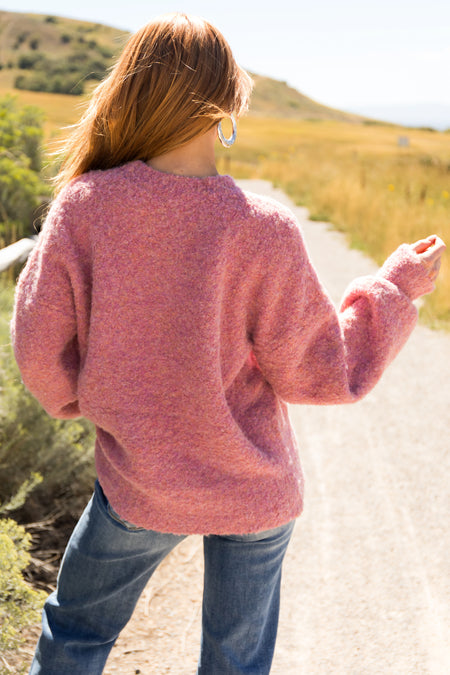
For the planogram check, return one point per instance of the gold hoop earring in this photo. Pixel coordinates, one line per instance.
(227, 142)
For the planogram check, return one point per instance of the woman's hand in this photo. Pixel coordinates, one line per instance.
(430, 252)
(414, 267)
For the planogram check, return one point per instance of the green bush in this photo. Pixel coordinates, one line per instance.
(35, 82)
(39, 81)
(46, 461)
(65, 75)
(20, 604)
(46, 473)
(32, 60)
(34, 43)
(19, 191)
(21, 132)
(21, 188)
(20, 39)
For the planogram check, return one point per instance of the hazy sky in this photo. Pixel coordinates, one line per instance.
(342, 53)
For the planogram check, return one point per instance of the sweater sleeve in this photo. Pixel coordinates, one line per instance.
(44, 326)
(310, 352)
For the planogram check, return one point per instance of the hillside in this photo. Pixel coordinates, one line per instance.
(55, 55)
(273, 98)
(56, 36)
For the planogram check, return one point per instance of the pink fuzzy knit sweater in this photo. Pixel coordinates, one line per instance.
(180, 315)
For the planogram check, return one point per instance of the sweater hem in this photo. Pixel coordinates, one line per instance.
(201, 517)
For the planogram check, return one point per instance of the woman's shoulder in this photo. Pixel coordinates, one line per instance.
(93, 194)
(270, 221)
(266, 207)
(95, 183)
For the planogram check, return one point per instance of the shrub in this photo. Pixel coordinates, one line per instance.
(20, 39)
(35, 82)
(78, 58)
(29, 122)
(96, 70)
(105, 51)
(19, 603)
(61, 76)
(31, 60)
(58, 83)
(19, 192)
(21, 188)
(34, 446)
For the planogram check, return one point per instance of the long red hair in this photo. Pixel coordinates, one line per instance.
(174, 80)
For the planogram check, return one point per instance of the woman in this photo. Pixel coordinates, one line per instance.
(180, 315)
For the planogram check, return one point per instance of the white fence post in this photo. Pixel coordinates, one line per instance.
(16, 253)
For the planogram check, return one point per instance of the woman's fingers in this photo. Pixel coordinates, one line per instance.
(430, 251)
(433, 251)
(424, 244)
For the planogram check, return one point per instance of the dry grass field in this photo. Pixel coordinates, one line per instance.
(382, 185)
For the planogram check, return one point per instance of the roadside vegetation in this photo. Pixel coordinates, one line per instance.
(21, 186)
(46, 465)
(46, 474)
(20, 604)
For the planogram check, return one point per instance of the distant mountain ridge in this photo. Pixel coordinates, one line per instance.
(39, 41)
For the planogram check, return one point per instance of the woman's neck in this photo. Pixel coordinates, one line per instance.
(196, 158)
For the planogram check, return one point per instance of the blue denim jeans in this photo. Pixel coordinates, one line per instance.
(107, 565)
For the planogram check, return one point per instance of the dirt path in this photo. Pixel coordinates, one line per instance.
(366, 579)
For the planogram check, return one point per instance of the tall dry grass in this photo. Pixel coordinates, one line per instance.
(360, 179)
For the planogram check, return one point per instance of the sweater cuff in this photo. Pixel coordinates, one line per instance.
(405, 269)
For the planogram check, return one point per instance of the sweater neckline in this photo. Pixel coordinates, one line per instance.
(174, 177)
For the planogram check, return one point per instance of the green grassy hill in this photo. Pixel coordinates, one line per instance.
(46, 53)
(49, 45)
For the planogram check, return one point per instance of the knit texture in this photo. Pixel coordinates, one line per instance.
(181, 315)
